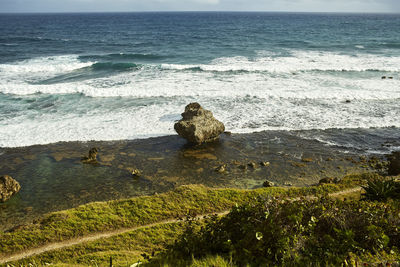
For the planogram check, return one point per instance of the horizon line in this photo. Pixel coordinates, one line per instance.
(201, 11)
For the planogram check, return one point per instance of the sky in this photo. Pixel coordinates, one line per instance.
(200, 5)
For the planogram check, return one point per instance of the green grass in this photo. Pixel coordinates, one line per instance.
(125, 249)
(105, 216)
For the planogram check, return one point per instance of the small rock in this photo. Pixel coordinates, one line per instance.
(327, 180)
(198, 125)
(252, 165)
(264, 163)
(298, 164)
(307, 160)
(8, 187)
(92, 157)
(268, 184)
(390, 78)
(136, 173)
(383, 77)
(221, 168)
(348, 101)
(243, 167)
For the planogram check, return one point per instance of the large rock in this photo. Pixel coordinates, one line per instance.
(198, 125)
(8, 187)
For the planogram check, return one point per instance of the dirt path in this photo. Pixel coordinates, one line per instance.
(93, 237)
(345, 192)
(97, 236)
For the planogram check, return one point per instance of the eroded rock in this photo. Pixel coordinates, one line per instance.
(221, 168)
(198, 125)
(92, 156)
(268, 184)
(8, 187)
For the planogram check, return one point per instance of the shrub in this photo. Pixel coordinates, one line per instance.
(281, 232)
(380, 189)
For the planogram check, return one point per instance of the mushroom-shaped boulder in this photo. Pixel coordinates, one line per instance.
(198, 125)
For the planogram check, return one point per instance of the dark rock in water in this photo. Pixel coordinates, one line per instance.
(221, 168)
(198, 125)
(252, 165)
(92, 157)
(136, 172)
(390, 78)
(264, 163)
(383, 77)
(348, 101)
(243, 167)
(328, 180)
(307, 160)
(394, 163)
(8, 187)
(268, 184)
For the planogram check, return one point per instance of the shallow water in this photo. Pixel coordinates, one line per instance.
(53, 178)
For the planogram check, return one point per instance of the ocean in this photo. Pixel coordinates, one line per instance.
(114, 76)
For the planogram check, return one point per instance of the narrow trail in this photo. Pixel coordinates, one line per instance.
(93, 237)
(97, 236)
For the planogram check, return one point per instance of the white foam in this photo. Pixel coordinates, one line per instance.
(37, 69)
(298, 61)
(131, 123)
(286, 96)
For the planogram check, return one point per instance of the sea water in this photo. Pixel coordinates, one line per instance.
(113, 76)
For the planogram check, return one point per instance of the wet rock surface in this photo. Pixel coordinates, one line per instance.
(8, 187)
(54, 178)
(198, 125)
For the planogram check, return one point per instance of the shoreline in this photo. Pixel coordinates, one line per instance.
(302, 133)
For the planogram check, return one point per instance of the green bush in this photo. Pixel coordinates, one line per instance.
(380, 189)
(280, 232)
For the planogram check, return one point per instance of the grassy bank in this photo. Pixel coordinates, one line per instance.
(106, 216)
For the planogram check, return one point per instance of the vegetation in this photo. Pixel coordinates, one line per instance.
(105, 216)
(124, 249)
(275, 225)
(381, 189)
(273, 231)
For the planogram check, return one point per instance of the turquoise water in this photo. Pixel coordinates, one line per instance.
(79, 77)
